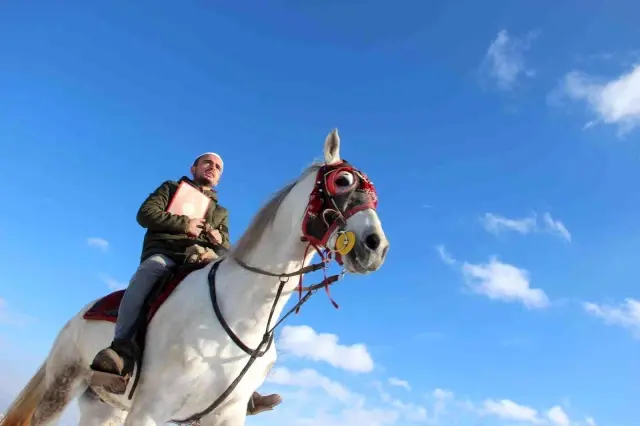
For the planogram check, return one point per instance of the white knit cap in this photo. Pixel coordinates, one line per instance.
(215, 155)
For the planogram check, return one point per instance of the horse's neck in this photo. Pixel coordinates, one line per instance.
(249, 296)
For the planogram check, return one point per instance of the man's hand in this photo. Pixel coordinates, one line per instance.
(216, 235)
(195, 227)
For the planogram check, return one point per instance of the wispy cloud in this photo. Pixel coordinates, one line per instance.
(99, 243)
(445, 256)
(555, 227)
(394, 381)
(497, 224)
(504, 60)
(443, 398)
(614, 101)
(509, 410)
(310, 378)
(625, 314)
(409, 411)
(113, 283)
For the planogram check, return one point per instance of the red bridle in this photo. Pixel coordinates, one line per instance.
(331, 204)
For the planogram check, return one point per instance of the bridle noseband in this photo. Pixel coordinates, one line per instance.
(339, 192)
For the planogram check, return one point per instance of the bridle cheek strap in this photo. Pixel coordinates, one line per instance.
(322, 200)
(315, 228)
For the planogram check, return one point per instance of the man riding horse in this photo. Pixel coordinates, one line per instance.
(172, 239)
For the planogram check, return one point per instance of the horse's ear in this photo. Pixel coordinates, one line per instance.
(332, 148)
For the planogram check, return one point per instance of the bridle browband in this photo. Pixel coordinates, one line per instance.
(328, 209)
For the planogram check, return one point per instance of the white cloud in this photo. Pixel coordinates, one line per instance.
(626, 314)
(445, 256)
(499, 281)
(99, 243)
(112, 283)
(408, 411)
(304, 342)
(312, 399)
(357, 416)
(353, 409)
(505, 282)
(442, 394)
(504, 59)
(509, 410)
(393, 381)
(556, 227)
(442, 399)
(590, 421)
(615, 102)
(558, 417)
(497, 224)
(309, 378)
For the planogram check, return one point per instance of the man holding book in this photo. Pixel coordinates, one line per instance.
(179, 216)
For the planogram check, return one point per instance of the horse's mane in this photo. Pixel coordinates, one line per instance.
(252, 235)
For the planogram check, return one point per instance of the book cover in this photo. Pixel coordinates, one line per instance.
(189, 201)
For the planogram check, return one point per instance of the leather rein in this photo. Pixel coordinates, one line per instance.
(329, 205)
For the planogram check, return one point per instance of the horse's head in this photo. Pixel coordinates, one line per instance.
(341, 214)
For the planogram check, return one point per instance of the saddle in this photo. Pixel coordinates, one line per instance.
(106, 309)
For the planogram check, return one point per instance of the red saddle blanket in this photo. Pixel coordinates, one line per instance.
(106, 308)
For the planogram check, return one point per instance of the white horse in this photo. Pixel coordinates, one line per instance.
(190, 359)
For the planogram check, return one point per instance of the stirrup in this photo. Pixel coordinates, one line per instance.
(112, 383)
(112, 367)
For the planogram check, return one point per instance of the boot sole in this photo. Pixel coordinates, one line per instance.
(112, 383)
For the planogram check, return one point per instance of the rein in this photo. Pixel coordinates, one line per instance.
(267, 339)
(316, 231)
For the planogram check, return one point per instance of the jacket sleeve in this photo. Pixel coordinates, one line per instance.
(224, 230)
(153, 215)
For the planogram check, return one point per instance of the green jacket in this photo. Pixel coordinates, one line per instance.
(166, 232)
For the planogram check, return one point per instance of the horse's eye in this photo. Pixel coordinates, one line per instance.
(344, 179)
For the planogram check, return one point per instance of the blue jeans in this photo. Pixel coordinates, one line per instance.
(140, 286)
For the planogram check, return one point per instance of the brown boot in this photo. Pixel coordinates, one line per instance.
(112, 367)
(258, 403)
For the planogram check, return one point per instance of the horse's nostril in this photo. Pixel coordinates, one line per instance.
(372, 241)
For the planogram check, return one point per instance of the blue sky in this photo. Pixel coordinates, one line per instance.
(502, 137)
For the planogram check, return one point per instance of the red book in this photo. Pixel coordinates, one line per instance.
(189, 201)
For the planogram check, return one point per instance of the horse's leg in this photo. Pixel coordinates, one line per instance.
(95, 412)
(152, 404)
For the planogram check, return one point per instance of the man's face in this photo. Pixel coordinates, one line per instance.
(208, 170)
